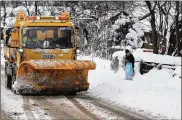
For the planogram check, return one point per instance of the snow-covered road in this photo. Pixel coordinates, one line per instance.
(83, 106)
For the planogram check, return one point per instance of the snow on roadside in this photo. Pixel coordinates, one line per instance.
(12, 104)
(156, 92)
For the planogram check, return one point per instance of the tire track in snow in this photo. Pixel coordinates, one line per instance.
(120, 112)
(27, 108)
(97, 110)
(70, 107)
(56, 112)
(81, 108)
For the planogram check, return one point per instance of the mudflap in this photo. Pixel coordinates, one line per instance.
(46, 76)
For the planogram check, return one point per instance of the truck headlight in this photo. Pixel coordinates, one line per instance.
(77, 51)
(57, 18)
(20, 50)
(38, 17)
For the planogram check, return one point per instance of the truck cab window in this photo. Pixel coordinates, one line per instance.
(57, 37)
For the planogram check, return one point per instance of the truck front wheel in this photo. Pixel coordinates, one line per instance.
(8, 80)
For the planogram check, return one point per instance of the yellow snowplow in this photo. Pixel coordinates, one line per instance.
(41, 56)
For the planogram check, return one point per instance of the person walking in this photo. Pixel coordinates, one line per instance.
(129, 64)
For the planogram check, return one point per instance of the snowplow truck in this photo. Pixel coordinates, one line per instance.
(41, 56)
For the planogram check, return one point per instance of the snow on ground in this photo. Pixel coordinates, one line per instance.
(11, 104)
(156, 92)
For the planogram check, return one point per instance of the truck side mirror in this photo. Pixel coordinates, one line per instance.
(13, 41)
(76, 27)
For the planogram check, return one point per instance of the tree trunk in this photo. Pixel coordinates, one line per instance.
(36, 11)
(177, 28)
(4, 17)
(155, 48)
(123, 5)
(26, 3)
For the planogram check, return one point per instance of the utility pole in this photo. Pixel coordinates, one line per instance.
(177, 28)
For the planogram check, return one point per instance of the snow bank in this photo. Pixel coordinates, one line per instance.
(11, 104)
(162, 59)
(156, 93)
(150, 57)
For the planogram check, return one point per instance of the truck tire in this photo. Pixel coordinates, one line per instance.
(12, 82)
(8, 80)
(73, 92)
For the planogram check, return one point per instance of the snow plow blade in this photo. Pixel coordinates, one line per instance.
(37, 76)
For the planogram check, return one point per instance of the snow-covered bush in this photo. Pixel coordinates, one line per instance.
(128, 29)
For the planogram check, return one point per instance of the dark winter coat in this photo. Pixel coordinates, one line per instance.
(130, 58)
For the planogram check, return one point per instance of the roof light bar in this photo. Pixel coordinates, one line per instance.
(32, 18)
(38, 17)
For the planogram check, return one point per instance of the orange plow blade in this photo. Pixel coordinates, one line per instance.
(53, 76)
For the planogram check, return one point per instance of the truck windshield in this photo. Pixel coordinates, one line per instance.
(48, 37)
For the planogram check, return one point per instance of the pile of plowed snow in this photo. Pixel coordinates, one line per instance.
(156, 92)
